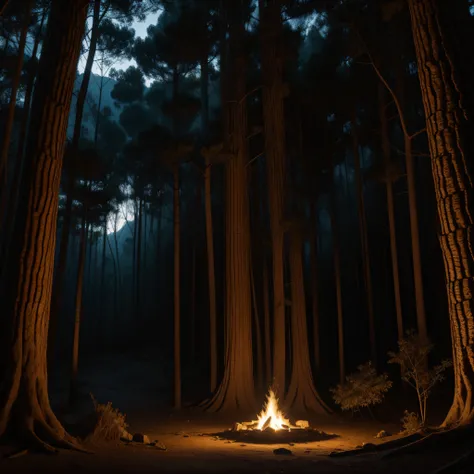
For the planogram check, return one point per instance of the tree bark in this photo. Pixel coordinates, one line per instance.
(274, 126)
(266, 319)
(236, 391)
(302, 395)
(448, 104)
(24, 402)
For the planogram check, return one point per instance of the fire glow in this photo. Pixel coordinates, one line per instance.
(271, 418)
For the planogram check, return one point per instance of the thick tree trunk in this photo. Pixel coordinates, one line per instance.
(448, 104)
(364, 242)
(59, 276)
(272, 70)
(73, 388)
(390, 208)
(302, 395)
(236, 391)
(177, 279)
(24, 401)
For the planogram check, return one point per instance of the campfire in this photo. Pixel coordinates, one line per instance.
(273, 427)
(271, 418)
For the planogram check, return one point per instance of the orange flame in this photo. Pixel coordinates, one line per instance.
(271, 416)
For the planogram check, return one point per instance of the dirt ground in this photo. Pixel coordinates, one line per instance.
(190, 450)
(125, 380)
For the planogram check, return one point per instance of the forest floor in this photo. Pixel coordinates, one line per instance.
(190, 448)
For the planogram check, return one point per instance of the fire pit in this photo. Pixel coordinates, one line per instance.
(272, 427)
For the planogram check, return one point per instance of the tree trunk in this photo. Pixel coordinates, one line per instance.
(272, 71)
(117, 254)
(138, 302)
(19, 161)
(337, 278)
(209, 226)
(59, 276)
(103, 298)
(448, 104)
(134, 254)
(177, 279)
(258, 331)
(414, 226)
(236, 391)
(24, 402)
(116, 280)
(390, 208)
(314, 284)
(266, 319)
(10, 116)
(364, 242)
(302, 395)
(73, 388)
(204, 96)
(211, 276)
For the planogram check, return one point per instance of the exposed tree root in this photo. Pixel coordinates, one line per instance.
(17, 453)
(371, 448)
(432, 440)
(465, 460)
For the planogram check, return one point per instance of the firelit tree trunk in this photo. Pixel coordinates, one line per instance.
(266, 321)
(302, 395)
(313, 244)
(257, 325)
(337, 277)
(59, 276)
(177, 279)
(390, 207)
(272, 71)
(73, 388)
(236, 391)
(24, 403)
(447, 99)
(364, 241)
